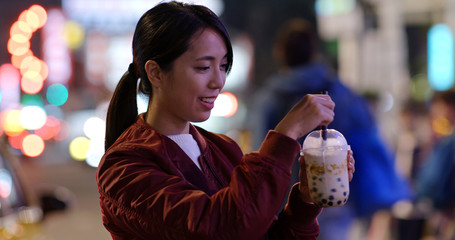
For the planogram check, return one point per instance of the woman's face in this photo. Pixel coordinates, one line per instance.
(189, 89)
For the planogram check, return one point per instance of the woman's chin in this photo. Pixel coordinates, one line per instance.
(201, 118)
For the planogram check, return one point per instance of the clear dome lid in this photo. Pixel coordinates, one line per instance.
(316, 140)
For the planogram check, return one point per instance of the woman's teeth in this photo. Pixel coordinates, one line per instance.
(208, 99)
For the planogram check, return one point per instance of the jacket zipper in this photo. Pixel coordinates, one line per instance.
(213, 172)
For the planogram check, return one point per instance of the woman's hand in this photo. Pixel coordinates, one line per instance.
(311, 111)
(303, 186)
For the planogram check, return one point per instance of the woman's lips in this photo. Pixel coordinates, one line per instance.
(208, 99)
(208, 102)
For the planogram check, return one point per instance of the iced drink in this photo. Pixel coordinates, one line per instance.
(327, 175)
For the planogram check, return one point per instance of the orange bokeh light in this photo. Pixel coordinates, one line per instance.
(234, 104)
(44, 69)
(18, 48)
(21, 28)
(16, 60)
(31, 86)
(32, 145)
(40, 13)
(30, 63)
(16, 141)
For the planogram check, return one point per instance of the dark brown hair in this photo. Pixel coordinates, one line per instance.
(162, 34)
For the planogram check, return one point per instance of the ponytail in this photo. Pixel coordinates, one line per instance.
(122, 111)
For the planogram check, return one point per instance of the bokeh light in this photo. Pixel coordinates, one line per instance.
(57, 94)
(9, 77)
(40, 16)
(55, 52)
(33, 117)
(31, 100)
(11, 124)
(20, 28)
(16, 141)
(73, 34)
(31, 86)
(50, 129)
(17, 48)
(6, 182)
(16, 60)
(28, 76)
(440, 57)
(442, 126)
(78, 148)
(334, 7)
(95, 152)
(226, 105)
(94, 128)
(32, 145)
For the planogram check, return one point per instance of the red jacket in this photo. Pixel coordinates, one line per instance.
(150, 189)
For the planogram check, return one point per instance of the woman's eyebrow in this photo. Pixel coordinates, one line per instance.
(208, 58)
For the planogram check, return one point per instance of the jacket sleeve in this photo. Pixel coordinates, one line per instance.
(297, 220)
(139, 198)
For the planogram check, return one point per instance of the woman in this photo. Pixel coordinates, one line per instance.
(163, 178)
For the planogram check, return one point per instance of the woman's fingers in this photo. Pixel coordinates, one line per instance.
(310, 112)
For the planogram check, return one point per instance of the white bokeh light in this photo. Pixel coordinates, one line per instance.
(33, 117)
(94, 128)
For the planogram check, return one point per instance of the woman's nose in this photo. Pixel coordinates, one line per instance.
(218, 79)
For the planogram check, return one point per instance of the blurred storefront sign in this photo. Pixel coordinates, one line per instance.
(440, 57)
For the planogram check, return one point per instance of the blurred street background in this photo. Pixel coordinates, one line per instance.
(60, 61)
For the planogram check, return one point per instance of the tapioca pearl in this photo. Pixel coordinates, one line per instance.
(324, 201)
(320, 195)
(345, 194)
(333, 190)
(339, 202)
(314, 190)
(321, 179)
(330, 203)
(339, 179)
(314, 183)
(314, 177)
(331, 197)
(345, 200)
(342, 185)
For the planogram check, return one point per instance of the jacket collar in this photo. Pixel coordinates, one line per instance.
(201, 141)
(179, 158)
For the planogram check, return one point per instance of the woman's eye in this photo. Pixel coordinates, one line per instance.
(202, 68)
(224, 67)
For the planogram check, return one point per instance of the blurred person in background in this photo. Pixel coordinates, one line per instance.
(436, 178)
(377, 185)
(414, 139)
(164, 178)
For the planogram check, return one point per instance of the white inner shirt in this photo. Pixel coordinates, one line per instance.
(187, 143)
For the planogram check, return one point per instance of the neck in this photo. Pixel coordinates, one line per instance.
(164, 124)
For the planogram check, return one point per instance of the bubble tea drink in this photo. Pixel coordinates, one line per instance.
(325, 154)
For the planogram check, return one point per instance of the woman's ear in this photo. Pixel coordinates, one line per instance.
(154, 73)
